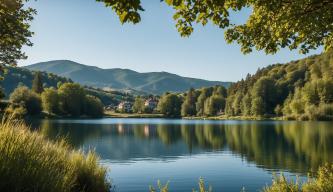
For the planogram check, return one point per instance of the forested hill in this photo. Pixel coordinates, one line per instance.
(154, 82)
(16, 76)
(300, 89)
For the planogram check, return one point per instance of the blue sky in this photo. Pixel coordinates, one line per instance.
(89, 33)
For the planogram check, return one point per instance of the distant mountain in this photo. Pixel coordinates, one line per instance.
(153, 82)
(16, 76)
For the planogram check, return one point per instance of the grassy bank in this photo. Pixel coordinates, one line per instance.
(29, 162)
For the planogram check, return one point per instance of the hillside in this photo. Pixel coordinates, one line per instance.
(20, 76)
(153, 82)
(16, 76)
(300, 89)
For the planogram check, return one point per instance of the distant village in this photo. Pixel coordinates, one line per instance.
(150, 104)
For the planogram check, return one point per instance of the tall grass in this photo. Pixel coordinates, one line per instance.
(165, 188)
(322, 181)
(29, 162)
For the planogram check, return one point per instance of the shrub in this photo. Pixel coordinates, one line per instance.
(23, 96)
(28, 162)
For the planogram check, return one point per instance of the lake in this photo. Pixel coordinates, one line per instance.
(229, 155)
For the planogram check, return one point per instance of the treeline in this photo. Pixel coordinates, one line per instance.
(68, 99)
(201, 102)
(300, 90)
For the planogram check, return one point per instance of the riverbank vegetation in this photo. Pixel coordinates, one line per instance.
(29, 162)
(69, 99)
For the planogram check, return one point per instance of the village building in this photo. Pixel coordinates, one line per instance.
(151, 103)
(125, 106)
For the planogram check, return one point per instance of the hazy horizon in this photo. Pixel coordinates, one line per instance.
(88, 33)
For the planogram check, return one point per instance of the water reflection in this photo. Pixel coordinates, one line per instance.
(292, 146)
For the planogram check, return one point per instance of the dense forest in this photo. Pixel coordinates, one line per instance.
(300, 90)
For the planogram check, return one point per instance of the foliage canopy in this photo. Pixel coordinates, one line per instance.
(275, 24)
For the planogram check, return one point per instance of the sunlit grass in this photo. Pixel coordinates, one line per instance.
(322, 181)
(28, 162)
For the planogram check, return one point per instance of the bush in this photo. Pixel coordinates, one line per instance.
(24, 97)
(93, 106)
(28, 162)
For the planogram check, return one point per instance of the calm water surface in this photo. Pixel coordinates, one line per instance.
(229, 155)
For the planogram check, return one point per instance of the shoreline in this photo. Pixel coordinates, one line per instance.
(161, 116)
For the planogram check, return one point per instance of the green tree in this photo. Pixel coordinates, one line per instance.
(24, 97)
(297, 104)
(236, 104)
(258, 106)
(220, 90)
(170, 105)
(302, 24)
(139, 105)
(72, 98)
(37, 83)
(93, 106)
(229, 110)
(50, 100)
(200, 104)
(214, 105)
(188, 107)
(265, 89)
(246, 105)
(14, 33)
